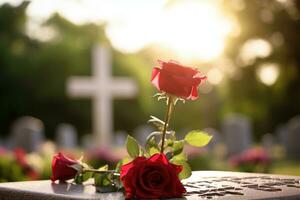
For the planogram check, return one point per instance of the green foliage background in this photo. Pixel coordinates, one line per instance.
(33, 74)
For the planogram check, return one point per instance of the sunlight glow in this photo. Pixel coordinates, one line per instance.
(194, 30)
(215, 76)
(268, 73)
(254, 48)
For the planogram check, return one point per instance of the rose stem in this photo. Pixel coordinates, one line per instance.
(167, 119)
(99, 171)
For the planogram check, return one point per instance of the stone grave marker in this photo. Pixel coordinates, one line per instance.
(66, 136)
(27, 133)
(102, 88)
(142, 132)
(201, 185)
(268, 141)
(293, 138)
(120, 138)
(86, 142)
(281, 133)
(237, 131)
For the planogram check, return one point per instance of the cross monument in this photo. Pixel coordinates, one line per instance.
(102, 88)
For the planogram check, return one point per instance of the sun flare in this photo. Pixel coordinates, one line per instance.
(196, 30)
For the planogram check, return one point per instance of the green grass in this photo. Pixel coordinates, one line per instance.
(286, 167)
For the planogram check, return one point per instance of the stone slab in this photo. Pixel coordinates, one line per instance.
(201, 185)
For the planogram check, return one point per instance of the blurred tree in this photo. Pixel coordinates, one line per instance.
(33, 73)
(277, 23)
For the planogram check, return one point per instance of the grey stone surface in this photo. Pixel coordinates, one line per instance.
(293, 138)
(201, 185)
(237, 130)
(27, 133)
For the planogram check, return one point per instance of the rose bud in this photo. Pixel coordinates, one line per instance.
(64, 168)
(176, 79)
(151, 178)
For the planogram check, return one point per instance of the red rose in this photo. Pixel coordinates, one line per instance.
(63, 168)
(176, 79)
(151, 178)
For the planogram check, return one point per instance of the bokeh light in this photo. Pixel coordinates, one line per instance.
(268, 73)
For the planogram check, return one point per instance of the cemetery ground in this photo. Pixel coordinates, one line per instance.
(20, 166)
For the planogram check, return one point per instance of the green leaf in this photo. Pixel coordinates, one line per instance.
(103, 168)
(151, 145)
(87, 175)
(181, 156)
(80, 178)
(118, 166)
(107, 182)
(198, 138)
(102, 179)
(126, 160)
(133, 148)
(178, 147)
(169, 142)
(186, 171)
(153, 150)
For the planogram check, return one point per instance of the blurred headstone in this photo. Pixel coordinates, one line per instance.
(268, 141)
(238, 133)
(27, 133)
(86, 142)
(66, 136)
(282, 134)
(141, 133)
(102, 88)
(293, 138)
(120, 138)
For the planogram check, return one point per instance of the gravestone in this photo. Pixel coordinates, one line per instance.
(268, 141)
(293, 138)
(201, 185)
(237, 131)
(27, 133)
(120, 138)
(66, 136)
(86, 142)
(102, 88)
(142, 132)
(282, 134)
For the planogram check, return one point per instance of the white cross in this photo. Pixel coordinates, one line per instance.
(102, 88)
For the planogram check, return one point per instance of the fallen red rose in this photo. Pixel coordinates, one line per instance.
(176, 79)
(151, 178)
(62, 168)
